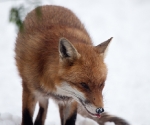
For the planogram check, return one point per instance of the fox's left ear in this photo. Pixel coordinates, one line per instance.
(68, 53)
(102, 48)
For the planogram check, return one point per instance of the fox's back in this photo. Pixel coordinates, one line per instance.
(61, 21)
(49, 15)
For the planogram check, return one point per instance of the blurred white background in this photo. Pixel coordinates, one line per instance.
(127, 90)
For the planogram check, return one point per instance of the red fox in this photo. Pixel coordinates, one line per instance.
(56, 59)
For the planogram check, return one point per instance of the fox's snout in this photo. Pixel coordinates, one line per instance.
(92, 108)
(92, 102)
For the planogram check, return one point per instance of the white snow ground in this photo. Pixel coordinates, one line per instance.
(127, 91)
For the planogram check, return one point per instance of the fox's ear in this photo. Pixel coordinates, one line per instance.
(67, 51)
(102, 48)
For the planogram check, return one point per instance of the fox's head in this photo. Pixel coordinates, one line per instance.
(82, 73)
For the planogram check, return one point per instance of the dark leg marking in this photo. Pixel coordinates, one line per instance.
(27, 119)
(71, 120)
(38, 120)
(62, 121)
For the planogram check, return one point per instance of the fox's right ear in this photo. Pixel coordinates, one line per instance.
(102, 48)
(67, 51)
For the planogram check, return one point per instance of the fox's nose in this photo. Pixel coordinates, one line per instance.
(99, 110)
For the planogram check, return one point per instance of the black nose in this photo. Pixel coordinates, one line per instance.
(99, 110)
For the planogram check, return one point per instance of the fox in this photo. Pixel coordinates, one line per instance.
(56, 59)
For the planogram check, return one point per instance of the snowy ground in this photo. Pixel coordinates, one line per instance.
(127, 91)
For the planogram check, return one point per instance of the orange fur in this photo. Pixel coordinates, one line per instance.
(44, 68)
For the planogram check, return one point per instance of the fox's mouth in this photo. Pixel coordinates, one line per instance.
(92, 114)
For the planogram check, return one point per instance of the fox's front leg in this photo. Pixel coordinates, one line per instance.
(28, 106)
(43, 105)
(68, 113)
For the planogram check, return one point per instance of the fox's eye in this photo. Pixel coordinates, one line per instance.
(84, 85)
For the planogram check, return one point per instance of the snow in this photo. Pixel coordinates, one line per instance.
(8, 119)
(127, 90)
